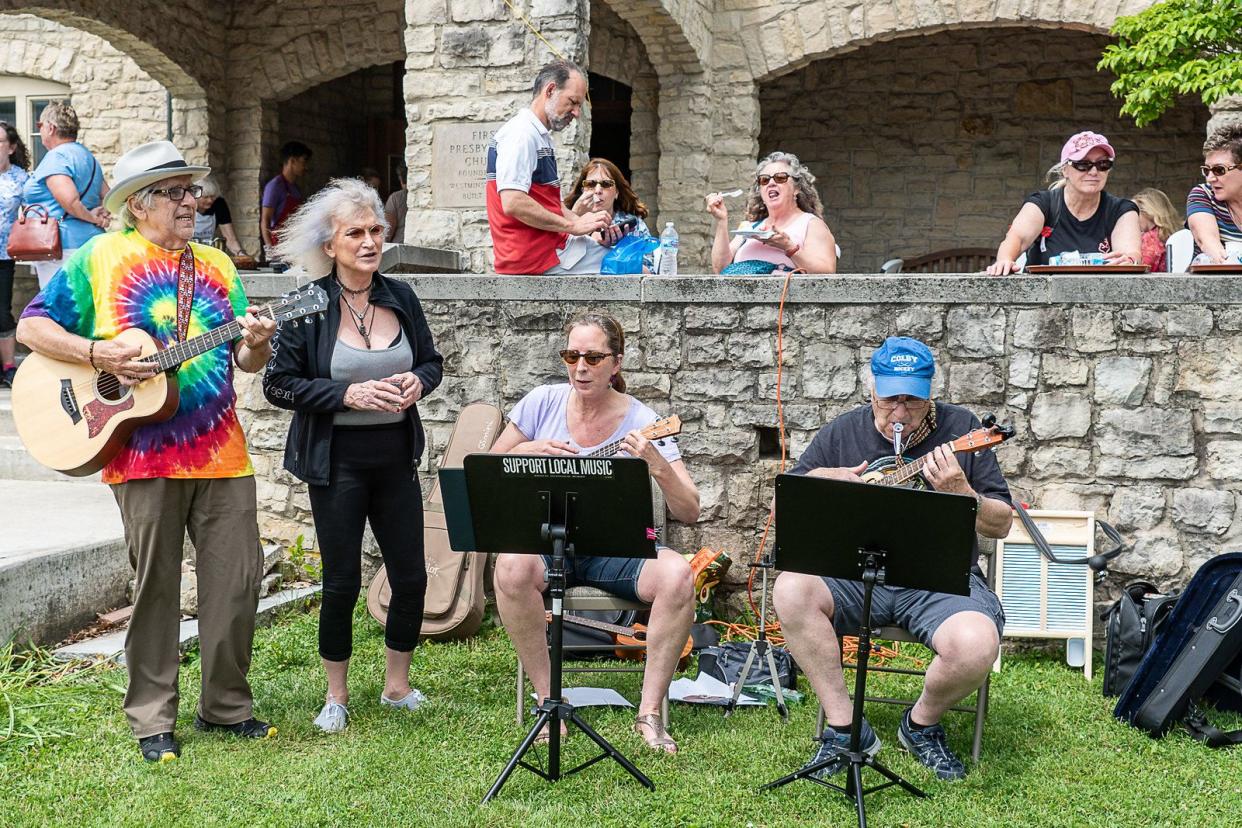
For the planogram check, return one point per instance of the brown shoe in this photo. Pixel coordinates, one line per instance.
(651, 727)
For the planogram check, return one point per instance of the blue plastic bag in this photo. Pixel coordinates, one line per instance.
(626, 256)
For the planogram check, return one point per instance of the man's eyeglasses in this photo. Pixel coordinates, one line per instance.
(177, 193)
(592, 357)
(911, 403)
(603, 182)
(1103, 165)
(779, 178)
(1218, 170)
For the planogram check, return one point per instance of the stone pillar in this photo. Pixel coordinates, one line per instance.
(242, 178)
(686, 166)
(473, 61)
(1225, 111)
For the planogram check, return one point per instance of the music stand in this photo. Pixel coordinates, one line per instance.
(557, 507)
(881, 535)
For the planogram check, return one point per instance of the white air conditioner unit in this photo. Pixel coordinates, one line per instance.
(1043, 599)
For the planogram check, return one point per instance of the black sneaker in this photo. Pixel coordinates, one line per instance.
(249, 729)
(6, 377)
(931, 747)
(834, 744)
(161, 747)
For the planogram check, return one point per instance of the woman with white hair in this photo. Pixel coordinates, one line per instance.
(213, 219)
(784, 227)
(356, 439)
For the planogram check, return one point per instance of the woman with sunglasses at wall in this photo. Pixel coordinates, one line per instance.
(591, 411)
(784, 201)
(1079, 215)
(601, 186)
(1214, 208)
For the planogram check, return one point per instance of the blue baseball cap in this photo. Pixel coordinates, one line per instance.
(903, 366)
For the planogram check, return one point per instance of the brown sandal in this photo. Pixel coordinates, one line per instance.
(656, 736)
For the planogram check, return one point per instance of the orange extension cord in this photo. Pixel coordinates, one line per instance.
(750, 632)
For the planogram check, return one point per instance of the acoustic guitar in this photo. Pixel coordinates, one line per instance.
(886, 471)
(623, 636)
(74, 418)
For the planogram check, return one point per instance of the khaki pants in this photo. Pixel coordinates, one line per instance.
(220, 517)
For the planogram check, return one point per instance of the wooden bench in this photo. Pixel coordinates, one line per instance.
(955, 260)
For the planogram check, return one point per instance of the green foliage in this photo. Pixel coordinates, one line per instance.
(1178, 47)
(306, 560)
(1052, 754)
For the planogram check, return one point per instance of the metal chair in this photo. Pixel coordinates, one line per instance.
(987, 548)
(589, 599)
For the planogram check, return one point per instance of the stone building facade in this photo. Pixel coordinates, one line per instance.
(926, 122)
(1123, 391)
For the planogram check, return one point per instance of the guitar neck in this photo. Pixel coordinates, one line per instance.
(615, 629)
(174, 355)
(908, 471)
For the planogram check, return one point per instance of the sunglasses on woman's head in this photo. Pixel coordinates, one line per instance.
(589, 184)
(1103, 165)
(779, 178)
(592, 357)
(1218, 170)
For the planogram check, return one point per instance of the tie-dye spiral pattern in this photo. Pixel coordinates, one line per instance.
(119, 281)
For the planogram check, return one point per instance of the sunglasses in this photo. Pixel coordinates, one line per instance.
(178, 193)
(779, 178)
(604, 183)
(592, 357)
(1103, 165)
(1218, 170)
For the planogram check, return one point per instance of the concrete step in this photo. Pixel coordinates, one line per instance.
(63, 558)
(111, 646)
(17, 464)
(7, 427)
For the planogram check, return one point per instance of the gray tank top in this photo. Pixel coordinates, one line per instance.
(350, 364)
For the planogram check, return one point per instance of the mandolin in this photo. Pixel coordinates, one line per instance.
(74, 418)
(886, 472)
(635, 636)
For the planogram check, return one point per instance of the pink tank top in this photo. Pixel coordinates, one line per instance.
(753, 249)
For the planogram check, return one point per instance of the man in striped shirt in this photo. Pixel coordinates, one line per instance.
(532, 231)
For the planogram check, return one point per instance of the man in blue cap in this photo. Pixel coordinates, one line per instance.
(901, 424)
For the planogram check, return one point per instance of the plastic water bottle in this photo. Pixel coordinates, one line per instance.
(669, 242)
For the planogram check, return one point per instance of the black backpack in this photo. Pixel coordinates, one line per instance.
(1130, 626)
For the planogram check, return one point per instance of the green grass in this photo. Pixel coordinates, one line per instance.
(1052, 756)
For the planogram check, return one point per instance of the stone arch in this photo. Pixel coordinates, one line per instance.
(289, 54)
(778, 41)
(676, 33)
(146, 33)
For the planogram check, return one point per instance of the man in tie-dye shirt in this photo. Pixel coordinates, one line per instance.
(190, 472)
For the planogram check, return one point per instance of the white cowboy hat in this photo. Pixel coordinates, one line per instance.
(146, 165)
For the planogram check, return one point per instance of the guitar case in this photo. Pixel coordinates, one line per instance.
(1197, 655)
(455, 600)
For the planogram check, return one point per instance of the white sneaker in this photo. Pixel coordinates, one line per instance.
(413, 701)
(333, 717)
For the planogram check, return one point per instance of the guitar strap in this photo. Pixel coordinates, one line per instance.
(919, 434)
(185, 293)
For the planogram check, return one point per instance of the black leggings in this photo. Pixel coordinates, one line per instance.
(7, 323)
(371, 478)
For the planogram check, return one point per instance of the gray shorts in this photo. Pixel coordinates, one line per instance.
(917, 611)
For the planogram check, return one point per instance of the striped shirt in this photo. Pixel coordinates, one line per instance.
(1201, 200)
(521, 157)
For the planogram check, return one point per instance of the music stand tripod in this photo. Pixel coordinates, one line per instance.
(538, 505)
(760, 649)
(868, 543)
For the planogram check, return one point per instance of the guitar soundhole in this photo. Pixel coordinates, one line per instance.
(108, 387)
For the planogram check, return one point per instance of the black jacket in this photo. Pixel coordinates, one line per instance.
(298, 376)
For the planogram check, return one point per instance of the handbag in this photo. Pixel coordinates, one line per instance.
(35, 236)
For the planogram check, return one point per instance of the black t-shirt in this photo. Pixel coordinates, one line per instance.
(1091, 236)
(852, 438)
(220, 209)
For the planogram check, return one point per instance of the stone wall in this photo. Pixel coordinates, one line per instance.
(932, 142)
(1123, 391)
(119, 105)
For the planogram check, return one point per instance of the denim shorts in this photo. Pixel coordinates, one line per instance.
(916, 611)
(617, 576)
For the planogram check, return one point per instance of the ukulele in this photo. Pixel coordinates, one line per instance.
(635, 636)
(74, 418)
(665, 427)
(886, 472)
